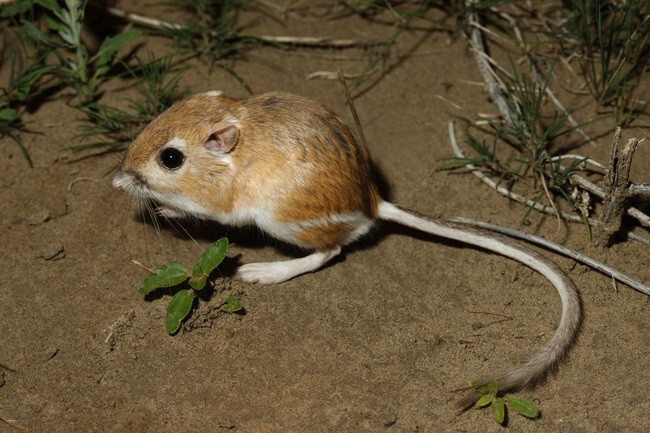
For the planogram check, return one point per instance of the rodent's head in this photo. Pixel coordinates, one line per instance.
(183, 154)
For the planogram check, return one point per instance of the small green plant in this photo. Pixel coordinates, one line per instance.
(22, 83)
(75, 66)
(19, 87)
(116, 127)
(175, 275)
(498, 404)
(529, 134)
(211, 32)
(48, 33)
(611, 40)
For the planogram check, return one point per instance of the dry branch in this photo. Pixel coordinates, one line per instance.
(306, 41)
(617, 183)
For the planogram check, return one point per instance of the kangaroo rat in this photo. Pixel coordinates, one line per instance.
(294, 169)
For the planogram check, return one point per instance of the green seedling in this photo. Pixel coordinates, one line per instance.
(175, 275)
(74, 66)
(499, 404)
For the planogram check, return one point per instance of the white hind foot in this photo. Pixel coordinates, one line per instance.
(277, 272)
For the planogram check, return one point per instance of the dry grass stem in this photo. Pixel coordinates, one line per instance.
(334, 75)
(306, 41)
(353, 109)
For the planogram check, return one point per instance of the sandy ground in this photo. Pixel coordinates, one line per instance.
(375, 342)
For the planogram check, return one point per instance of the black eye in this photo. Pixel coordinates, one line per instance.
(171, 158)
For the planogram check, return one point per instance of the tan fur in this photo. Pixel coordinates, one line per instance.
(285, 144)
(296, 151)
(325, 237)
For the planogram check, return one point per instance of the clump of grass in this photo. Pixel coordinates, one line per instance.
(25, 79)
(211, 32)
(529, 137)
(21, 84)
(611, 40)
(114, 127)
(49, 34)
(74, 65)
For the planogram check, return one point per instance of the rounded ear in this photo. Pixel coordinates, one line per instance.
(222, 136)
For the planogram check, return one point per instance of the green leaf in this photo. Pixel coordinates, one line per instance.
(54, 24)
(15, 9)
(492, 387)
(36, 35)
(232, 305)
(211, 258)
(165, 276)
(523, 407)
(178, 309)
(27, 79)
(8, 114)
(50, 4)
(498, 410)
(484, 401)
(110, 46)
(486, 388)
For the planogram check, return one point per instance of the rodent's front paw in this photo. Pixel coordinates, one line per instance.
(167, 212)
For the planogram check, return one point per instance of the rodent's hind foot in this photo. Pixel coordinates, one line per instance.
(278, 272)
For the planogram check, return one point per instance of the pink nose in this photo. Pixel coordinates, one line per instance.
(119, 180)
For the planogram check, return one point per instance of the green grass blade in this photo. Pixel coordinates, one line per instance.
(110, 46)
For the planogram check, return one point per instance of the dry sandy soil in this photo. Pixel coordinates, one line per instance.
(375, 342)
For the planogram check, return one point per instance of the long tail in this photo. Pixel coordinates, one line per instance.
(556, 348)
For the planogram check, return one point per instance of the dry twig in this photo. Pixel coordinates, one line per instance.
(617, 184)
(353, 109)
(307, 41)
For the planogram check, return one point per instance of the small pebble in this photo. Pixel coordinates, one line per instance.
(52, 252)
(39, 217)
